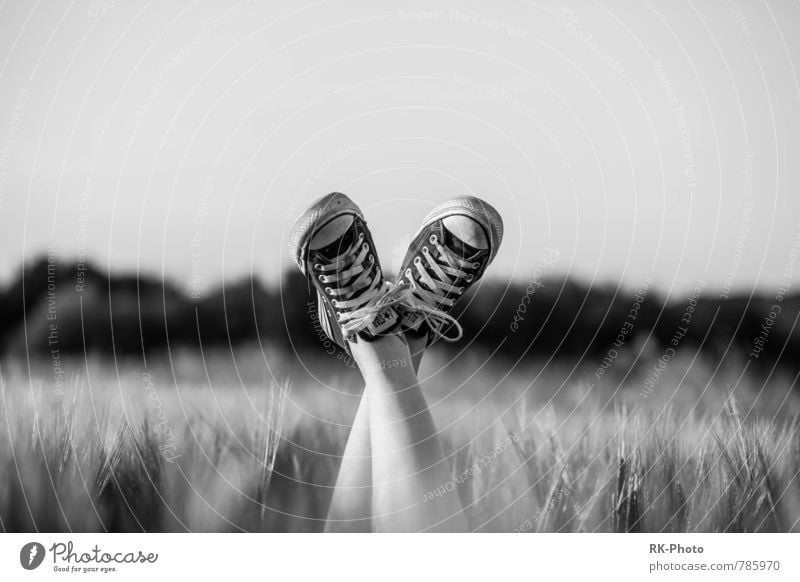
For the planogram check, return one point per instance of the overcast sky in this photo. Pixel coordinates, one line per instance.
(634, 138)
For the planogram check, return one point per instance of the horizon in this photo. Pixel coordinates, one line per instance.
(709, 291)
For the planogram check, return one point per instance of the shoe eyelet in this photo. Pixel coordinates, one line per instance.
(328, 291)
(433, 239)
(417, 260)
(475, 265)
(317, 266)
(371, 258)
(425, 250)
(361, 237)
(321, 278)
(365, 246)
(469, 278)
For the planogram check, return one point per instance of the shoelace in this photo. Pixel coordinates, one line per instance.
(352, 278)
(449, 270)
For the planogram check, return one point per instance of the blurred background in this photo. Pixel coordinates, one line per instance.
(153, 158)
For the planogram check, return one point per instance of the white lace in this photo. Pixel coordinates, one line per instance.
(431, 299)
(355, 276)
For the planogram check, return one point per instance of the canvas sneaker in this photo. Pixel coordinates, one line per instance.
(438, 268)
(354, 301)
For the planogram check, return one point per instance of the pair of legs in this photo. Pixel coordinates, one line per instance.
(394, 475)
(393, 459)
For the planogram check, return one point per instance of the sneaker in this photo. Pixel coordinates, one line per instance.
(438, 268)
(353, 300)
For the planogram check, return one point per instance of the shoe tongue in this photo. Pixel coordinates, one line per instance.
(458, 246)
(338, 246)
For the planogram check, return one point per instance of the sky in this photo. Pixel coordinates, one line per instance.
(620, 141)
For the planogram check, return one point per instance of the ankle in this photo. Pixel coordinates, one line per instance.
(386, 355)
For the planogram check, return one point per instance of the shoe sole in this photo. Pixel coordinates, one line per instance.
(316, 216)
(478, 210)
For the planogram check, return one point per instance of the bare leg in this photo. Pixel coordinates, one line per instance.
(351, 503)
(408, 462)
(352, 500)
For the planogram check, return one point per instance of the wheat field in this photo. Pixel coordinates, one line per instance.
(251, 443)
